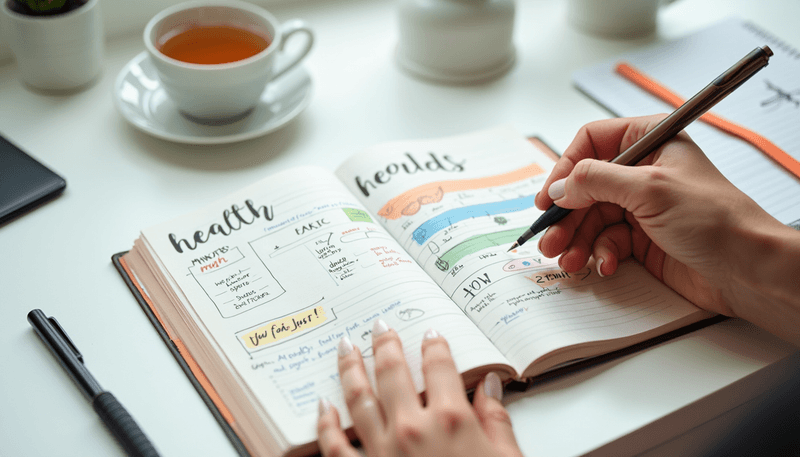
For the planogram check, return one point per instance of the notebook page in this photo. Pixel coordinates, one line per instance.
(293, 264)
(458, 212)
(769, 104)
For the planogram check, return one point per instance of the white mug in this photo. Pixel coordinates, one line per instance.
(226, 91)
(615, 18)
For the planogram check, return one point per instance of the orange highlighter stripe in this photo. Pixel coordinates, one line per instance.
(409, 202)
(764, 145)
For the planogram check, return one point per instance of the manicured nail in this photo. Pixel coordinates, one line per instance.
(430, 334)
(492, 386)
(557, 189)
(324, 406)
(345, 346)
(599, 266)
(379, 328)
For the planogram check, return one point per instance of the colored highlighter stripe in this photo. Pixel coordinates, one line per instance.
(409, 203)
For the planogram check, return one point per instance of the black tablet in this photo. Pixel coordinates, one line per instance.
(24, 182)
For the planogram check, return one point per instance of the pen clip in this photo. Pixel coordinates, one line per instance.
(66, 337)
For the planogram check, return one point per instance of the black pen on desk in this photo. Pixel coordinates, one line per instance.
(695, 107)
(113, 414)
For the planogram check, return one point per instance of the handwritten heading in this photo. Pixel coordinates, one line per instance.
(430, 163)
(233, 219)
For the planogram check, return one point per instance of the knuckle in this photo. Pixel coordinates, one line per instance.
(324, 423)
(581, 174)
(407, 434)
(655, 183)
(387, 365)
(336, 449)
(453, 419)
(356, 395)
(348, 363)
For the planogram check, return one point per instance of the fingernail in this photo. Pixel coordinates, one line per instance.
(557, 189)
(492, 386)
(430, 334)
(379, 328)
(599, 266)
(324, 406)
(345, 346)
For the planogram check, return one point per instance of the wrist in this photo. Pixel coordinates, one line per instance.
(765, 270)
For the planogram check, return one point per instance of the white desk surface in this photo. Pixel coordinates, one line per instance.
(121, 180)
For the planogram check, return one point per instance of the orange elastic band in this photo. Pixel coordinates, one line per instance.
(764, 145)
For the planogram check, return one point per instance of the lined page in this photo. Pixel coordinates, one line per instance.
(458, 213)
(769, 104)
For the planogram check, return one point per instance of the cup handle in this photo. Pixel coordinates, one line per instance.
(287, 62)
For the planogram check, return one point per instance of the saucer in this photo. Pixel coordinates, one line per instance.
(142, 101)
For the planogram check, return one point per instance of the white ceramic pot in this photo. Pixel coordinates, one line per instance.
(456, 41)
(56, 53)
(615, 18)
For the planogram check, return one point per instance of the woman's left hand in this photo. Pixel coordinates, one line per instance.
(394, 420)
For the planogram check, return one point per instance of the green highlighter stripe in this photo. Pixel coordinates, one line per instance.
(477, 243)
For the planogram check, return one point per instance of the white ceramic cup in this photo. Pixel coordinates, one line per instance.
(228, 91)
(615, 18)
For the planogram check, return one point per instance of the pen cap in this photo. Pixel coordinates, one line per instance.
(64, 350)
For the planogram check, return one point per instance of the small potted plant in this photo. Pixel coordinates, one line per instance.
(58, 44)
(44, 7)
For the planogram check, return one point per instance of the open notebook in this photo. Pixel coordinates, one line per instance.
(254, 291)
(768, 104)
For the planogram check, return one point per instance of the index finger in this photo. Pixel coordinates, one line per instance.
(602, 140)
(396, 391)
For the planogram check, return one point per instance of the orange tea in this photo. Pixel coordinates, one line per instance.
(214, 44)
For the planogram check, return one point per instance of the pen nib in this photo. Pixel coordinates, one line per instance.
(513, 246)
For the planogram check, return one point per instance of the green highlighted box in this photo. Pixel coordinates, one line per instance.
(357, 215)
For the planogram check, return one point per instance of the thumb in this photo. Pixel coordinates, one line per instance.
(494, 418)
(594, 181)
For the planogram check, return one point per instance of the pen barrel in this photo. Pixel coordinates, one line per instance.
(122, 426)
(696, 106)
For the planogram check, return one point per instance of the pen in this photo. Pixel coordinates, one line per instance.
(695, 107)
(113, 414)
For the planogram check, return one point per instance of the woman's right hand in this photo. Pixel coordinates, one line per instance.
(676, 214)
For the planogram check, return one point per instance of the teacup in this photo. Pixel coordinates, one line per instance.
(219, 92)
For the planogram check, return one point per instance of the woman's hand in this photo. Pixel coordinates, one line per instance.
(678, 216)
(395, 421)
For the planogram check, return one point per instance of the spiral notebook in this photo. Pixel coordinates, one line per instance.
(769, 103)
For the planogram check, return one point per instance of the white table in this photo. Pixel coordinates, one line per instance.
(120, 180)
